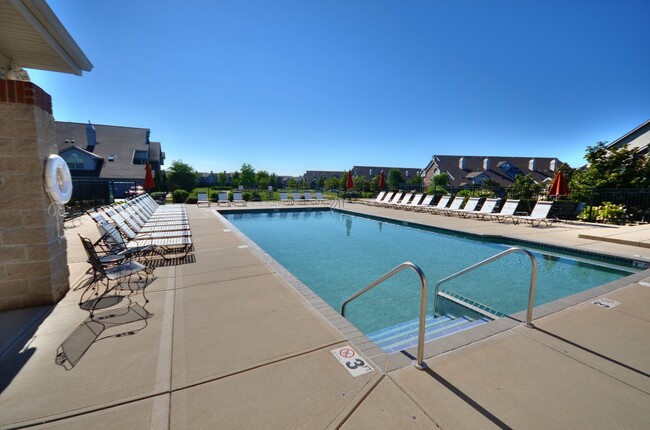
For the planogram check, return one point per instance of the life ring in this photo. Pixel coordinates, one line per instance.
(58, 182)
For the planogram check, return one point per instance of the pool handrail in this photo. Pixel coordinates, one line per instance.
(419, 361)
(531, 291)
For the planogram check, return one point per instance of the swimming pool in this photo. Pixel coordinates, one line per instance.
(336, 254)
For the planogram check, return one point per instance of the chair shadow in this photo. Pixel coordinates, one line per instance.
(113, 321)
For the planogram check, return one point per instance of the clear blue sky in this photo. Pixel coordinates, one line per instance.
(288, 86)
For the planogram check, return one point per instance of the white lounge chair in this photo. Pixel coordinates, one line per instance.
(202, 199)
(320, 198)
(387, 197)
(507, 211)
(413, 203)
(405, 199)
(538, 215)
(396, 198)
(441, 205)
(237, 199)
(424, 205)
(377, 199)
(284, 199)
(223, 199)
(456, 203)
(308, 197)
(470, 206)
(486, 209)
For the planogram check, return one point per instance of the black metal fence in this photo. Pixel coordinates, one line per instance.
(93, 193)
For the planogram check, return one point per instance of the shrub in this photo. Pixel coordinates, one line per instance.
(255, 196)
(607, 212)
(180, 195)
(191, 200)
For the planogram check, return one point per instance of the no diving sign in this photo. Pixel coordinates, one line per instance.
(351, 361)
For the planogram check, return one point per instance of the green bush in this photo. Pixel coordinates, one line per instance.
(255, 196)
(191, 200)
(607, 212)
(179, 196)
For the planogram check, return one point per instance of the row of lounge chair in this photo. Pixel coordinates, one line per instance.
(449, 207)
(297, 199)
(140, 225)
(237, 199)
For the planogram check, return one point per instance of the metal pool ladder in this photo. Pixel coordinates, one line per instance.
(419, 362)
(531, 291)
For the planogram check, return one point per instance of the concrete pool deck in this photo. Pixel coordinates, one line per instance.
(234, 342)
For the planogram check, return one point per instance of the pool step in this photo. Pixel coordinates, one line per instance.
(405, 335)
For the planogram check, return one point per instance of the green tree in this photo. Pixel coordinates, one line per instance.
(222, 179)
(321, 182)
(438, 183)
(416, 180)
(609, 168)
(333, 183)
(291, 183)
(361, 184)
(182, 175)
(525, 188)
(395, 179)
(247, 175)
(262, 179)
(236, 179)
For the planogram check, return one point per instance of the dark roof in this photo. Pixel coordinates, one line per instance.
(637, 140)
(313, 175)
(502, 169)
(122, 142)
(372, 171)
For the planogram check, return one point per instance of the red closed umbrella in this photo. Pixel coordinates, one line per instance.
(382, 181)
(559, 186)
(149, 183)
(349, 184)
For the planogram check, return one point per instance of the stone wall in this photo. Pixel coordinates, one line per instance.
(33, 254)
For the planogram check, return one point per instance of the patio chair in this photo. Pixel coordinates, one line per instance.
(424, 205)
(396, 198)
(538, 215)
(455, 204)
(376, 200)
(405, 199)
(486, 209)
(507, 211)
(441, 205)
(295, 195)
(237, 199)
(308, 197)
(105, 274)
(164, 242)
(223, 199)
(284, 199)
(387, 197)
(413, 203)
(202, 199)
(470, 206)
(320, 198)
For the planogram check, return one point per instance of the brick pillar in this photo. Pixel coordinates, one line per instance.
(33, 258)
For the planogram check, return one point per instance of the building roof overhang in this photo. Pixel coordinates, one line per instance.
(32, 36)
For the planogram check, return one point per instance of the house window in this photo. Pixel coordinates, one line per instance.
(140, 157)
(74, 161)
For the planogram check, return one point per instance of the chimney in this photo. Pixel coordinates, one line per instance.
(532, 165)
(486, 164)
(91, 137)
(461, 163)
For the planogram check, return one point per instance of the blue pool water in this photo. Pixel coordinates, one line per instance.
(336, 254)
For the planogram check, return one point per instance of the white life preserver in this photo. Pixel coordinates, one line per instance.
(58, 182)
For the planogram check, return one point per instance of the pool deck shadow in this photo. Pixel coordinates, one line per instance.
(233, 340)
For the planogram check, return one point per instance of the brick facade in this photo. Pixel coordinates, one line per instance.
(33, 254)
